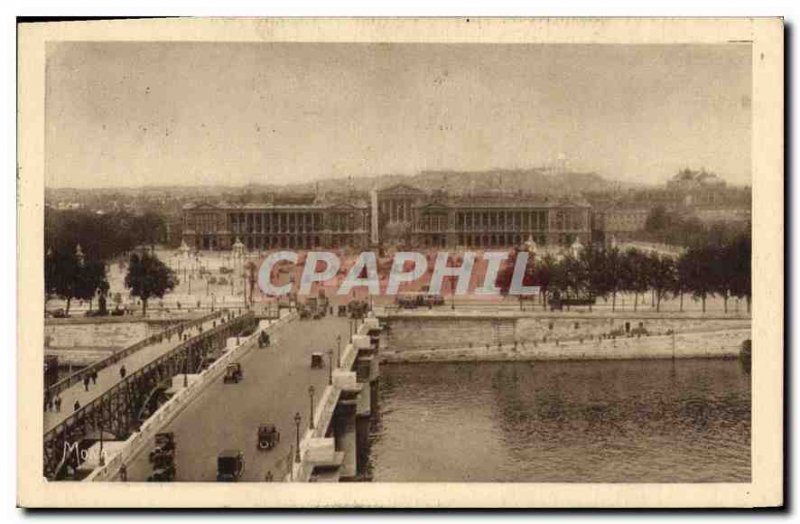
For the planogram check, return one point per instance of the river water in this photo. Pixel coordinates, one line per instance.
(599, 421)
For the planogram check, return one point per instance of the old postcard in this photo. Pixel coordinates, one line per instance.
(456, 262)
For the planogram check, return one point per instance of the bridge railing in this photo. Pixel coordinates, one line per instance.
(55, 434)
(323, 413)
(144, 369)
(79, 375)
(168, 411)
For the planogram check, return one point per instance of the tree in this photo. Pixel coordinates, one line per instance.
(149, 228)
(740, 261)
(698, 272)
(683, 277)
(544, 274)
(635, 270)
(570, 277)
(69, 277)
(595, 271)
(61, 275)
(724, 274)
(149, 277)
(615, 274)
(662, 276)
(90, 278)
(105, 236)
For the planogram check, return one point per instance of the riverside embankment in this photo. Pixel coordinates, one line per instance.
(438, 335)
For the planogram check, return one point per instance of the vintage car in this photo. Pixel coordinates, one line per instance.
(268, 436)
(59, 313)
(233, 373)
(166, 474)
(230, 465)
(165, 446)
(163, 469)
(357, 308)
(316, 360)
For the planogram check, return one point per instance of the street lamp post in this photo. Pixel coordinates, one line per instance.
(244, 287)
(338, 351)
(102, 459)
(330, 367)
(311, 397)
(297, 420)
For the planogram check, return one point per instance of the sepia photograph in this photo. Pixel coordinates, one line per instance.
(397, 259)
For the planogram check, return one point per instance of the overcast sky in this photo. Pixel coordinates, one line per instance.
(130, 114)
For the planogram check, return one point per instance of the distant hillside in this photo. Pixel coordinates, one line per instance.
(464, 182)
(541, 181)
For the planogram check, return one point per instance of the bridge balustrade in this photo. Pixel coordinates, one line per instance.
(79, 375)
(120, 409)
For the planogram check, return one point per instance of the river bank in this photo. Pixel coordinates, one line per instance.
(720, 343)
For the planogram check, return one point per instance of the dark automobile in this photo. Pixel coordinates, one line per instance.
(165, 446)
(233, 373)
(230, 465)
(268, 436)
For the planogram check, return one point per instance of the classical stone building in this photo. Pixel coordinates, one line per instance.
(486, 220)
(276, 226)
(407, 215)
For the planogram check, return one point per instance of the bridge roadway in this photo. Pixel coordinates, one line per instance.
(109, 376)
(226, 416)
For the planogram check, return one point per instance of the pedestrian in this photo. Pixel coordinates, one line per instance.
(58, 403)
(48, 401)
(268, 476)
(123, 473)
(86, 383)
(122, 371)
(76, 406)
(94, 377)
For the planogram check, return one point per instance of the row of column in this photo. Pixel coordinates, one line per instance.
(502, 220)
(299, 222)
(398, 210)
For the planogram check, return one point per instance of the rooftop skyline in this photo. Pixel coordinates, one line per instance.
(138, 114)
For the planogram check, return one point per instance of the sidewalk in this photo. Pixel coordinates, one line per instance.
(109, 376)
